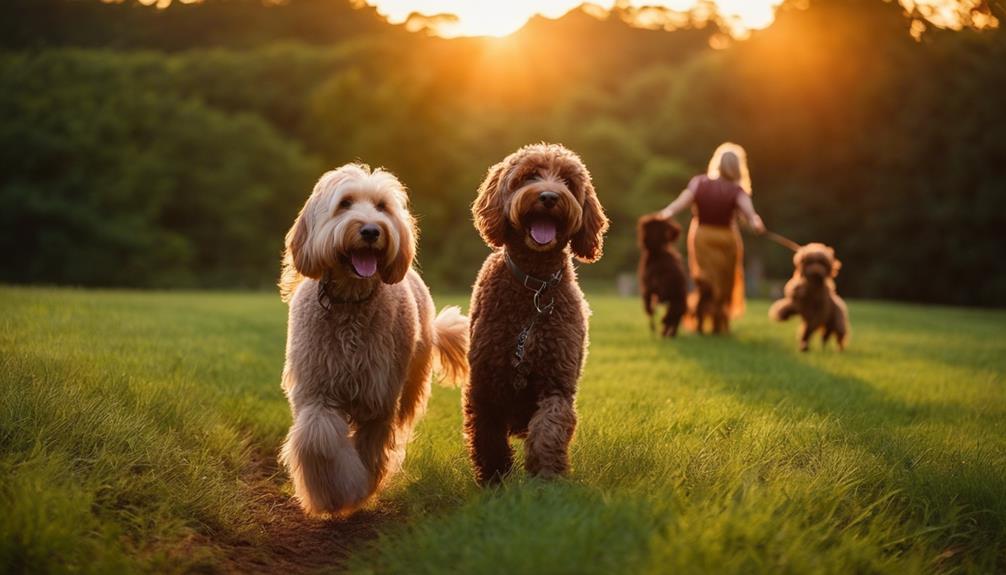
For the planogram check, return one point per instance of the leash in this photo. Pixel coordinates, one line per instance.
(539, 287)
(782, 241)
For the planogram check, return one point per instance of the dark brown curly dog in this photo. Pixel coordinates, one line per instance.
(811, 294)
(537, 209)
(661, 271)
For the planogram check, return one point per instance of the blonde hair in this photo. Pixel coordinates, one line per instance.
(730, 162)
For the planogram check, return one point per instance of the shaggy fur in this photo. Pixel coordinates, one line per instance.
(361, 338)
(661, 272)
(811, 294)
(543, 186)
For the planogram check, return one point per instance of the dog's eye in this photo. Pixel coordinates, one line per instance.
(381, 206)
(345, 203)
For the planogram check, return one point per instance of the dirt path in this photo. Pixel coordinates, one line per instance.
(288, 542)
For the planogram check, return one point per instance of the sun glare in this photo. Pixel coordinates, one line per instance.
(467, 18)
(452, 18)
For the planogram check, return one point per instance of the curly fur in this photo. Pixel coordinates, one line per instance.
(536, 399)
(811, 294)
(360, 350)
(662, 277)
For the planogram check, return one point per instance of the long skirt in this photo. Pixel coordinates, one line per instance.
(716, 263)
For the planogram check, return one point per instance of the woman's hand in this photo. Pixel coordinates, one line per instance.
(757, 224)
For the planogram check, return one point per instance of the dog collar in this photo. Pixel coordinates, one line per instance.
(327, 300)
(537, 285)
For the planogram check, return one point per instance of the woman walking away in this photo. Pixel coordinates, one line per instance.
(715, 250)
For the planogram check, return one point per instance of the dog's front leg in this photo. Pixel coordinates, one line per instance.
(376, 443)
(327, 473)
(805, 336)
(671, 320)
(489, 447)
(549, 434)
(840, 333)
(488, 442)
(648, 308)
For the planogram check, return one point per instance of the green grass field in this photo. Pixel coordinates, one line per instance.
(139, 432)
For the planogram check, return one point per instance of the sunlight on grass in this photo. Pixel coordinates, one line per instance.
(739, 455)
(129, 423)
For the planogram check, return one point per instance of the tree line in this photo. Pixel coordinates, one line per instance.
(158, 148)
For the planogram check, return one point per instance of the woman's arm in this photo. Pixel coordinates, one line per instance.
(684, 200)
(747, 208)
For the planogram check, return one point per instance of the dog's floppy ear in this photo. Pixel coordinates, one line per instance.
(297, 259)
(836, 264)
(396, 269)
(588, 241)
(487, 209)
(298, 253)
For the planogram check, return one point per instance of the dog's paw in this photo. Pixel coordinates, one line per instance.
(333, 486)
(328, 475)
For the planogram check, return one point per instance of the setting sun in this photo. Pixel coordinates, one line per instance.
(451, 18)
(465, 18)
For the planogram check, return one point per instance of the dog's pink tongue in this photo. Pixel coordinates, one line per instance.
(543, 231)
(364, 263)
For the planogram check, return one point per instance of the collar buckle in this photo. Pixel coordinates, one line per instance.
(528, 281)
(541, 285)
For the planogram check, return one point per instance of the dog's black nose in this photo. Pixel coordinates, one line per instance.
(370, 233)
(548, 198)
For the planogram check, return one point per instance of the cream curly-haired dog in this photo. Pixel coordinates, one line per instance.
(361, 338)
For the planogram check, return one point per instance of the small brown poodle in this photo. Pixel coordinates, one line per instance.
(811, 294)
(537, 209)
(361, 338)
(661, 272)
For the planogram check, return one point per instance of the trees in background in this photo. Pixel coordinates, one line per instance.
(114, 176)
(132, 167)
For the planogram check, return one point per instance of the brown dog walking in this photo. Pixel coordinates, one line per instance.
(811, 294)
(662, 278)
(537, 209)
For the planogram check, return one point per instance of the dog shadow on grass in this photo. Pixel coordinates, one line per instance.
(921, 445)
(763, 371)
(525, 524)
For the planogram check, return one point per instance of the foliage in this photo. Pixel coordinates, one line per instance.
(183, 166)
(126, 453)
(115, 177)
